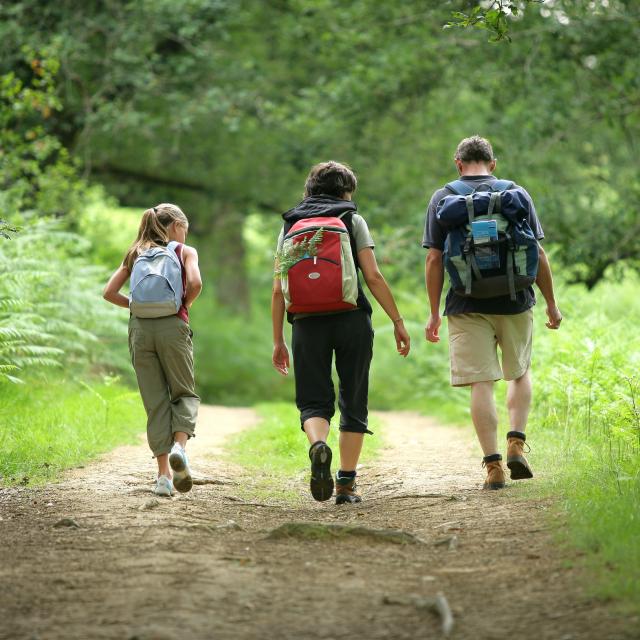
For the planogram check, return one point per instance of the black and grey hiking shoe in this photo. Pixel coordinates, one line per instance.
(321, 483)
(346, 490)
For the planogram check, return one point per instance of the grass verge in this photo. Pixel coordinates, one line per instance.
(49, 427)
(275, 451)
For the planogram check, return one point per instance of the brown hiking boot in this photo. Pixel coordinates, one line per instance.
(346, 491)
(516, 461)
(495, 472)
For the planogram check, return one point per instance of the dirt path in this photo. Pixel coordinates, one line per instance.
(201, 565)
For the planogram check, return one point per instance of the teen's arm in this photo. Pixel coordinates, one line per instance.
(434, 279)
(192, 271)
(280, 358)
(545, 284)
(111, 291)
(381, 292)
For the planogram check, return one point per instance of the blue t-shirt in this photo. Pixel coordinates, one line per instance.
(434, 238)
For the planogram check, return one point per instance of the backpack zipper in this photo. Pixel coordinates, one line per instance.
(310, 229)
(315, 261)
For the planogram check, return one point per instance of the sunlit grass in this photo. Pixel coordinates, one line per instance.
(276, 449)
(46, 428)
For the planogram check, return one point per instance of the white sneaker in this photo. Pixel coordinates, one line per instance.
(182, 479)
(164, 486)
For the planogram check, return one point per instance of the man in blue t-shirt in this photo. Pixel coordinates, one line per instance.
(477, 326)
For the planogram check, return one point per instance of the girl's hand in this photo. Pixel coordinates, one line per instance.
(403, 341)
(280, 358)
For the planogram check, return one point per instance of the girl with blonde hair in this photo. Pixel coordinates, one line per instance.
(164, 280)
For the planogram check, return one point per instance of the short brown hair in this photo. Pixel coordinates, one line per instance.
(331, 178)
(474, 149)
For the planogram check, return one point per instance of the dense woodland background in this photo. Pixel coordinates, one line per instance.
(221, 106)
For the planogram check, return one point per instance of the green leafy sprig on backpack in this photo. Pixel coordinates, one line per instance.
(6, 229)
(296, 251)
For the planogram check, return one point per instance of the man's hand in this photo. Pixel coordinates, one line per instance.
(403, 341)
(432, 328)
(555, 317)
(280, 358)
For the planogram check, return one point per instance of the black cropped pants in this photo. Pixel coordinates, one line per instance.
(315, 340)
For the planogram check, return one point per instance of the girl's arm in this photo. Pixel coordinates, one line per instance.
(111, 291)
(280, 357)
(381, 292)
(192, 271)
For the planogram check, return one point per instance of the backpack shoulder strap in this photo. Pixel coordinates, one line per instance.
(459, 187)
(502, 185)
(347, 218)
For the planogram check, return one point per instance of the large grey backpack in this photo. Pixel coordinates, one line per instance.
(156, 283)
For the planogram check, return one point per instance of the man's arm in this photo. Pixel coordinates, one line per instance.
(544, 281)
(434, 279)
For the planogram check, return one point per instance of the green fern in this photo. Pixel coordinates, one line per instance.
(51, 312)
(296, 251)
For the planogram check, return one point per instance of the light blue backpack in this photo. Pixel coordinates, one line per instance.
(156, 283)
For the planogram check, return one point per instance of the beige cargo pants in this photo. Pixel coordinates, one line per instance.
(162, 356)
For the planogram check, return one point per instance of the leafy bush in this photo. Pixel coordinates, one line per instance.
(37, 174)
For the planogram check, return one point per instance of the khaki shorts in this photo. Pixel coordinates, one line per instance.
(473, 342)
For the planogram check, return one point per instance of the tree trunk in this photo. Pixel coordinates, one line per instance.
(226, 249)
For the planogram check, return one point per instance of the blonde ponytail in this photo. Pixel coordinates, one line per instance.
(153, 230)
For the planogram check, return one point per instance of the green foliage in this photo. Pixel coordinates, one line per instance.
(233, 355)
(51, 425)
(288, 256)
(492, 16)
(218, 108)
(6, 230)
(585, 428)
(51, 311)
(37, 174)
(108, 228)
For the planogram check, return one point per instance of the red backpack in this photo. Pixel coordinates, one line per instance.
(317, 269)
